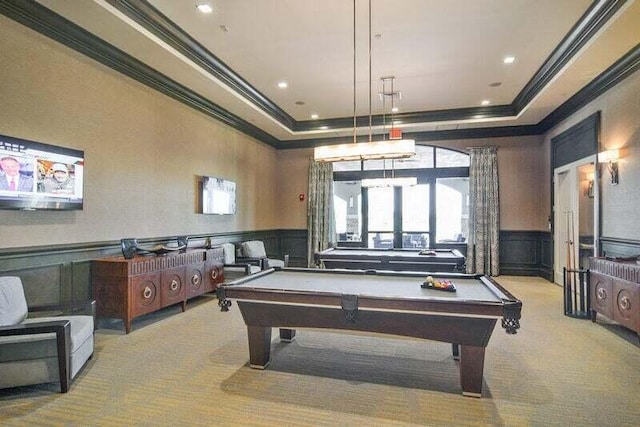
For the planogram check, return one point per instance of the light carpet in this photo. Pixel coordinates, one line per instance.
(191, 369)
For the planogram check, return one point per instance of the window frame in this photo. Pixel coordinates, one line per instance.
(424, 176)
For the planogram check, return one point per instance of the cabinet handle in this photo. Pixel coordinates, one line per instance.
(174, 285)
(625, 304)
(146, 293)
(602, 294)
(214, 274)
(195, 279)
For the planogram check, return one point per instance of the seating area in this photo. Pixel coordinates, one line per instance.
(233, 269)
(253, 251)
(37, 350)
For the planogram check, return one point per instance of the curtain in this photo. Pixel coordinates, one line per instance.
(484, 212)
(320, 224)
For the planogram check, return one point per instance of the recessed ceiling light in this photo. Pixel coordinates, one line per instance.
(509, 59)
(299, 102)
(485, 102)
(204, 8)
(495, 84)
(314, 116)
(282, 85)
(394, 110)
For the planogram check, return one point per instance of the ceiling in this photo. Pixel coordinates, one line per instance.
(446, 57)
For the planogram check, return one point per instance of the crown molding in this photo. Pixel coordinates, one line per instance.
(54, 26)
(50, 24)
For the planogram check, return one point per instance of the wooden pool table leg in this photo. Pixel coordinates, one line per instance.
(287, 335)
(259, 346)
(471, 369)
(455, 349)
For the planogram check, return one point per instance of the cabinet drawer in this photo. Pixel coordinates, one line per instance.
(626, 310)
(195, 279)
(144, 294)
(172, 286)
(602, 294)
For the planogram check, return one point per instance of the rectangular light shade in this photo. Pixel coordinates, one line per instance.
(392, 149)
(609, 156)
(390, 182)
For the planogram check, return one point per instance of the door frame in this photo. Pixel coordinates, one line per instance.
(572, 170)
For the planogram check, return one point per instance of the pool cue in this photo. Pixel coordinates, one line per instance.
(568, 264)
(572, 261)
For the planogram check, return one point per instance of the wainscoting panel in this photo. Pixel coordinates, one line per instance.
(42, 285)
(612, 247)
(525, 253)
(546, 256)
(81, 289)
(60, 273)
(294, 244)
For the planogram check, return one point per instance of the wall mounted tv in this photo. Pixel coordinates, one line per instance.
(34, 175)
(218, 196)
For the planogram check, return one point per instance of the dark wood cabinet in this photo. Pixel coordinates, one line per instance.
(127, 288)
(615, 291)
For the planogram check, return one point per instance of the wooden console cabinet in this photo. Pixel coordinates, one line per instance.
(127, 288)
(615, 291)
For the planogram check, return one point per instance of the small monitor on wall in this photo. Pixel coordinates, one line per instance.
(218, 196)
(34, 175)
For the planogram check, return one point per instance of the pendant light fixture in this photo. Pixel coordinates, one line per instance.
(385, 149)
(388, 92)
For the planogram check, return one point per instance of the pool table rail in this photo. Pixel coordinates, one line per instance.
(291, 298)
(394, 259)
(506, 306)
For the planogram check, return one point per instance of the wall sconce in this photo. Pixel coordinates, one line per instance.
(610, 157)
(590, 178)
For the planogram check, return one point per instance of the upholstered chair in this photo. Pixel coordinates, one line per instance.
(40, 349)
(233, 269)
(254, 250)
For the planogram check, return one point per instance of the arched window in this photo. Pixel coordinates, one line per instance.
(431, 212)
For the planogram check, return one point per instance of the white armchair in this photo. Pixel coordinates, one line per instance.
(234, 269)
(40, 350)
(254, 250)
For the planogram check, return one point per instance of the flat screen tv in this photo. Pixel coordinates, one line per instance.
(34, 175)
(218, 196)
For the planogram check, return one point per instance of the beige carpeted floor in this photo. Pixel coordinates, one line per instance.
(191, 369)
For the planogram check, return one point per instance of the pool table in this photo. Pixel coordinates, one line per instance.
(440, 260)
(383, 302)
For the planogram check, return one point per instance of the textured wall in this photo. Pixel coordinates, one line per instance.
(143, 151)
(620, 128)
(293, 168)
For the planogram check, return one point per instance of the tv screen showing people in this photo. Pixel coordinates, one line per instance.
(34, 175)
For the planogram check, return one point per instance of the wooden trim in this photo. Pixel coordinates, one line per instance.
(54, 26)
(152, 20)
(587, 26)
(45, 21)
(620, 70)
(522, 253)
(581, 140)
(615, 247)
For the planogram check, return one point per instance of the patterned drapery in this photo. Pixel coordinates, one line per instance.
(484, 212)
(320, 224)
